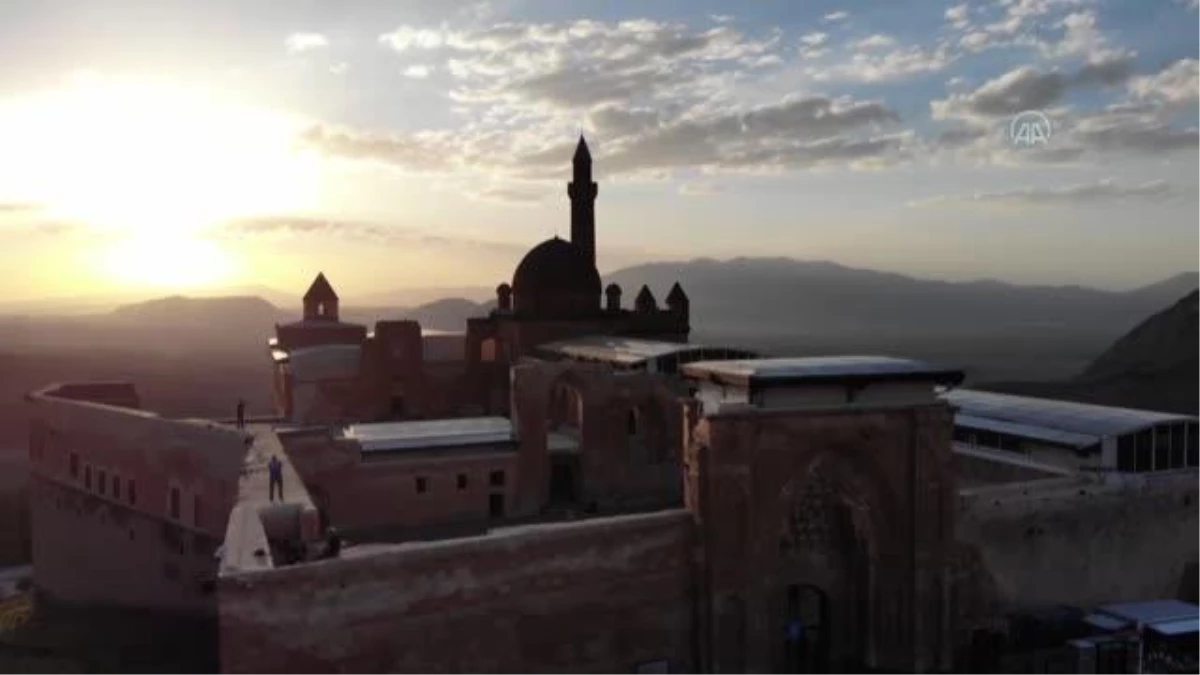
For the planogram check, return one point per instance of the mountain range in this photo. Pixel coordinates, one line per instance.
(771, 304)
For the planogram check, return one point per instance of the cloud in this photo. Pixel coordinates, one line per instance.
(303, 42)
(513, 196)
(1135, 132)
(814, 39)
(701, 189)
(544, 68)
(422, 151)
(833, 17)
(876, 41)
(1028, 88)
(418, 72)
(19, 208)
(302, 226)
(1106, 191)
(1175, 85)
(789, 135)
(405, 38)
(957, 15)
(896, 64)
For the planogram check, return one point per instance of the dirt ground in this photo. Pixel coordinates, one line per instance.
(37, 635)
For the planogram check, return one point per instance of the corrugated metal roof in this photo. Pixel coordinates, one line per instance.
(1177, 626)
(1105, 622)
(1032, 431)
(1006, 457)
(631, 351)
(1152, 611)
(820, 368)
(1068, 416)
(385, 436)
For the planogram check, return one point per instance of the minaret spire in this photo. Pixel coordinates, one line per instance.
(582, 190)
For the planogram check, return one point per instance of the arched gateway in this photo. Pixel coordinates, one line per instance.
(823, 573)
(823, 492)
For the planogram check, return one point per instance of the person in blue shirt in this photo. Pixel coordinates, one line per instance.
(275, 473)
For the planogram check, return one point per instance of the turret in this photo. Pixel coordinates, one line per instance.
(677, 301)
(504, 298)
(612, 298)
(320, 302)
(645, 302)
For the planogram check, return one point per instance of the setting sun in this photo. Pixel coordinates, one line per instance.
(151, 163)
(141, 155)
(166, 261)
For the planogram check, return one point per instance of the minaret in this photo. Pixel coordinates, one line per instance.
(582, 191)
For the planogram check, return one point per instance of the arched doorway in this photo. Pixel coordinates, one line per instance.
(564, 437)
(806, 629)
(822, 603)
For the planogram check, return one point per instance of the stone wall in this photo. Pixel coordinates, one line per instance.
(1084, 541)
(617, 469)
(90, 551)
(95, 545)
(599, 595)
(358, 493)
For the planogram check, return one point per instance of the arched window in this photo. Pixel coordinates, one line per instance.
(320, 309)
(488, 351)
(566, 407)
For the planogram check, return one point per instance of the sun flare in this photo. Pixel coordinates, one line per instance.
(166, 261)
(152, 163)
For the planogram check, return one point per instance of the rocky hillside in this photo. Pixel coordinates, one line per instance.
(1163, 345)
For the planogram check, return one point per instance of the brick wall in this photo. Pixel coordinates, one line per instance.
(600, 595)
(94, 544)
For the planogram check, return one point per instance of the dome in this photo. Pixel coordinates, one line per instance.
(556, 274)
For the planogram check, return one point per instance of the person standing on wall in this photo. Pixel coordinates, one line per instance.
(241, 414)
(275, 477)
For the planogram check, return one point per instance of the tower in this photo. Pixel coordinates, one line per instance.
(320, 302)
(582, 191)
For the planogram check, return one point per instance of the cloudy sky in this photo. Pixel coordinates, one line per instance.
(163, 144)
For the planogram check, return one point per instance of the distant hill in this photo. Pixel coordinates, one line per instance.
(1163, 344)
(184, 311)
(781, 295)
(1155, 366)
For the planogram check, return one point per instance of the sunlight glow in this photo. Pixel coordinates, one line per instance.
(165, 261)
(144, 156)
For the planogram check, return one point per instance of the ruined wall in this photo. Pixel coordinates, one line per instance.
(1082, 541)
(600, 595)
(617, 469)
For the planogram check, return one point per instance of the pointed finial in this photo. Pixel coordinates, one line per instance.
(581, 150)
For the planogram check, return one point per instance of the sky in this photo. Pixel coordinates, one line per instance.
(159, 145)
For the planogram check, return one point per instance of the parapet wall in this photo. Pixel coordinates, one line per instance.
(598, 595)
(1084, 541)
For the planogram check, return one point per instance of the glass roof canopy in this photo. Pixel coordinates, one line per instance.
(1051, 416)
